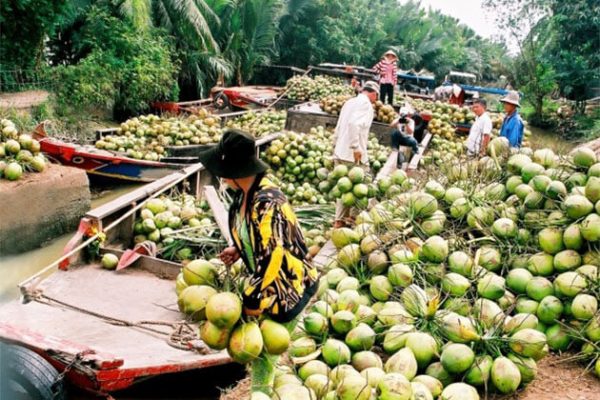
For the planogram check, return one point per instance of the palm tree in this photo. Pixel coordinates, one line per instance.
(191, 24)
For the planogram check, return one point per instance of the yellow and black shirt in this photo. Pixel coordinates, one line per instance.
(270, 241)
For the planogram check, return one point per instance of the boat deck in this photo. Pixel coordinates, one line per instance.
(131, 295)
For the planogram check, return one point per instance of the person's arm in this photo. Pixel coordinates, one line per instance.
(410, 126)
(487, 135)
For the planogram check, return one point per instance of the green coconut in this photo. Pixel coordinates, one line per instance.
(551, 240)
(362, 337)
(380, 288)
(313, 367)
(491, 286)
(109, 261)
(400, 275)
(455, 284)
(504, 228)
(435, 249)
(550, 309)
(394, 386)
(343, 321)
(370, 243)
(436, 370)
(423, 346)
(334, 276)
(434, 386)
(488, 312)
(528, 171)
(539, 287)
(194, 299)
(366, 359)
(396, 336)
(527, 367)
(403, 362)
(460, 263)
(528, 343)
(541, 264)
(567, 260)
(526, 305)
(224, 309)
(479, 372)
(577, 206)
(556, 190)
(519, 322)
(480, 217)
(505, 375)
(200, 272)
(557, 337)
(457, 358)
(583, 157)
(377, 262)
(590, 227)
(516, 162)
(344, 236)
(460, 208)
(246, 343)
(335, 352)
(216, 338)
(302, 347)
(490, 258)
(569, 284)
(315, 324)
(422, 204)
(373, 375)
(276, 337)
(349, 256)
(517, 280)
(460, 391)
(458, 328)
(319, 384)
(366, 315)
(584, 306)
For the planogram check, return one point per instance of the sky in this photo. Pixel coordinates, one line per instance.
(469, 12)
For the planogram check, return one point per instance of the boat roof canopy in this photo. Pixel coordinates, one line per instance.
(463, 75)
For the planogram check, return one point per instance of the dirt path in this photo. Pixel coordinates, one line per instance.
(24, 99)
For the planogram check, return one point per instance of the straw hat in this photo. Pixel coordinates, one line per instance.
(390, 52)
(511, 98)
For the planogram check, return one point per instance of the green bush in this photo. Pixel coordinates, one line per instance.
(124, 69)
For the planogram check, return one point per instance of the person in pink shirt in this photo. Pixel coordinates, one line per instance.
(387, 70)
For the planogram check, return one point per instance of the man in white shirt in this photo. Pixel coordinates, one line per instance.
(352, 135)
(481, 130)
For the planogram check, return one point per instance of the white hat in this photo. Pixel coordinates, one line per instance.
(511, 98)
(390, 52)
(371, 85)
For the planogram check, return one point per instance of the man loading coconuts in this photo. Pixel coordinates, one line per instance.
(351, 137)
(268, 238)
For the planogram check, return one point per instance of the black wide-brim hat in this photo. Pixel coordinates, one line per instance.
(233, 157)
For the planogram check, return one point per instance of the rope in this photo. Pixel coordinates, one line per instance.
(183, 335)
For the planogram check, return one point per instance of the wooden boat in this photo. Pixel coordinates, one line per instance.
(106, 330)
(105, 163)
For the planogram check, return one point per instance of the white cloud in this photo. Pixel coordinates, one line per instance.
(469, 12)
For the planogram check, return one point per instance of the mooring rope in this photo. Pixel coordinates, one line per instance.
(183, 336)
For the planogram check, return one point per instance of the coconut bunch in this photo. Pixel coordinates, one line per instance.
(205, 295)
(295, 160)
(259, 124)
(302, 164)
(304, 88)
(19, 153)
(333, 104)
(384, 112)
(182, 227)
(432, 285)
(148, 136)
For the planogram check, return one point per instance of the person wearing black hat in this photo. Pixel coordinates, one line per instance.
(268, 238)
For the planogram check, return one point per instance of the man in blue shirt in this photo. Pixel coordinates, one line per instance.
(512, 126)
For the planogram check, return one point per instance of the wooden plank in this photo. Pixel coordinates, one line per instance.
(389, 167)
(126, 200)
(324, 256)
(219, 213)
(163, 269)
(414, 163)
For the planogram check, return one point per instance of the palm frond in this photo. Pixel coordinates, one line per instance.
(139, 13)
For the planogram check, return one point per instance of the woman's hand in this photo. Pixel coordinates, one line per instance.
(229, 255)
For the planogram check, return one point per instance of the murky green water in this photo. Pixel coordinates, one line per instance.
(17, 267)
